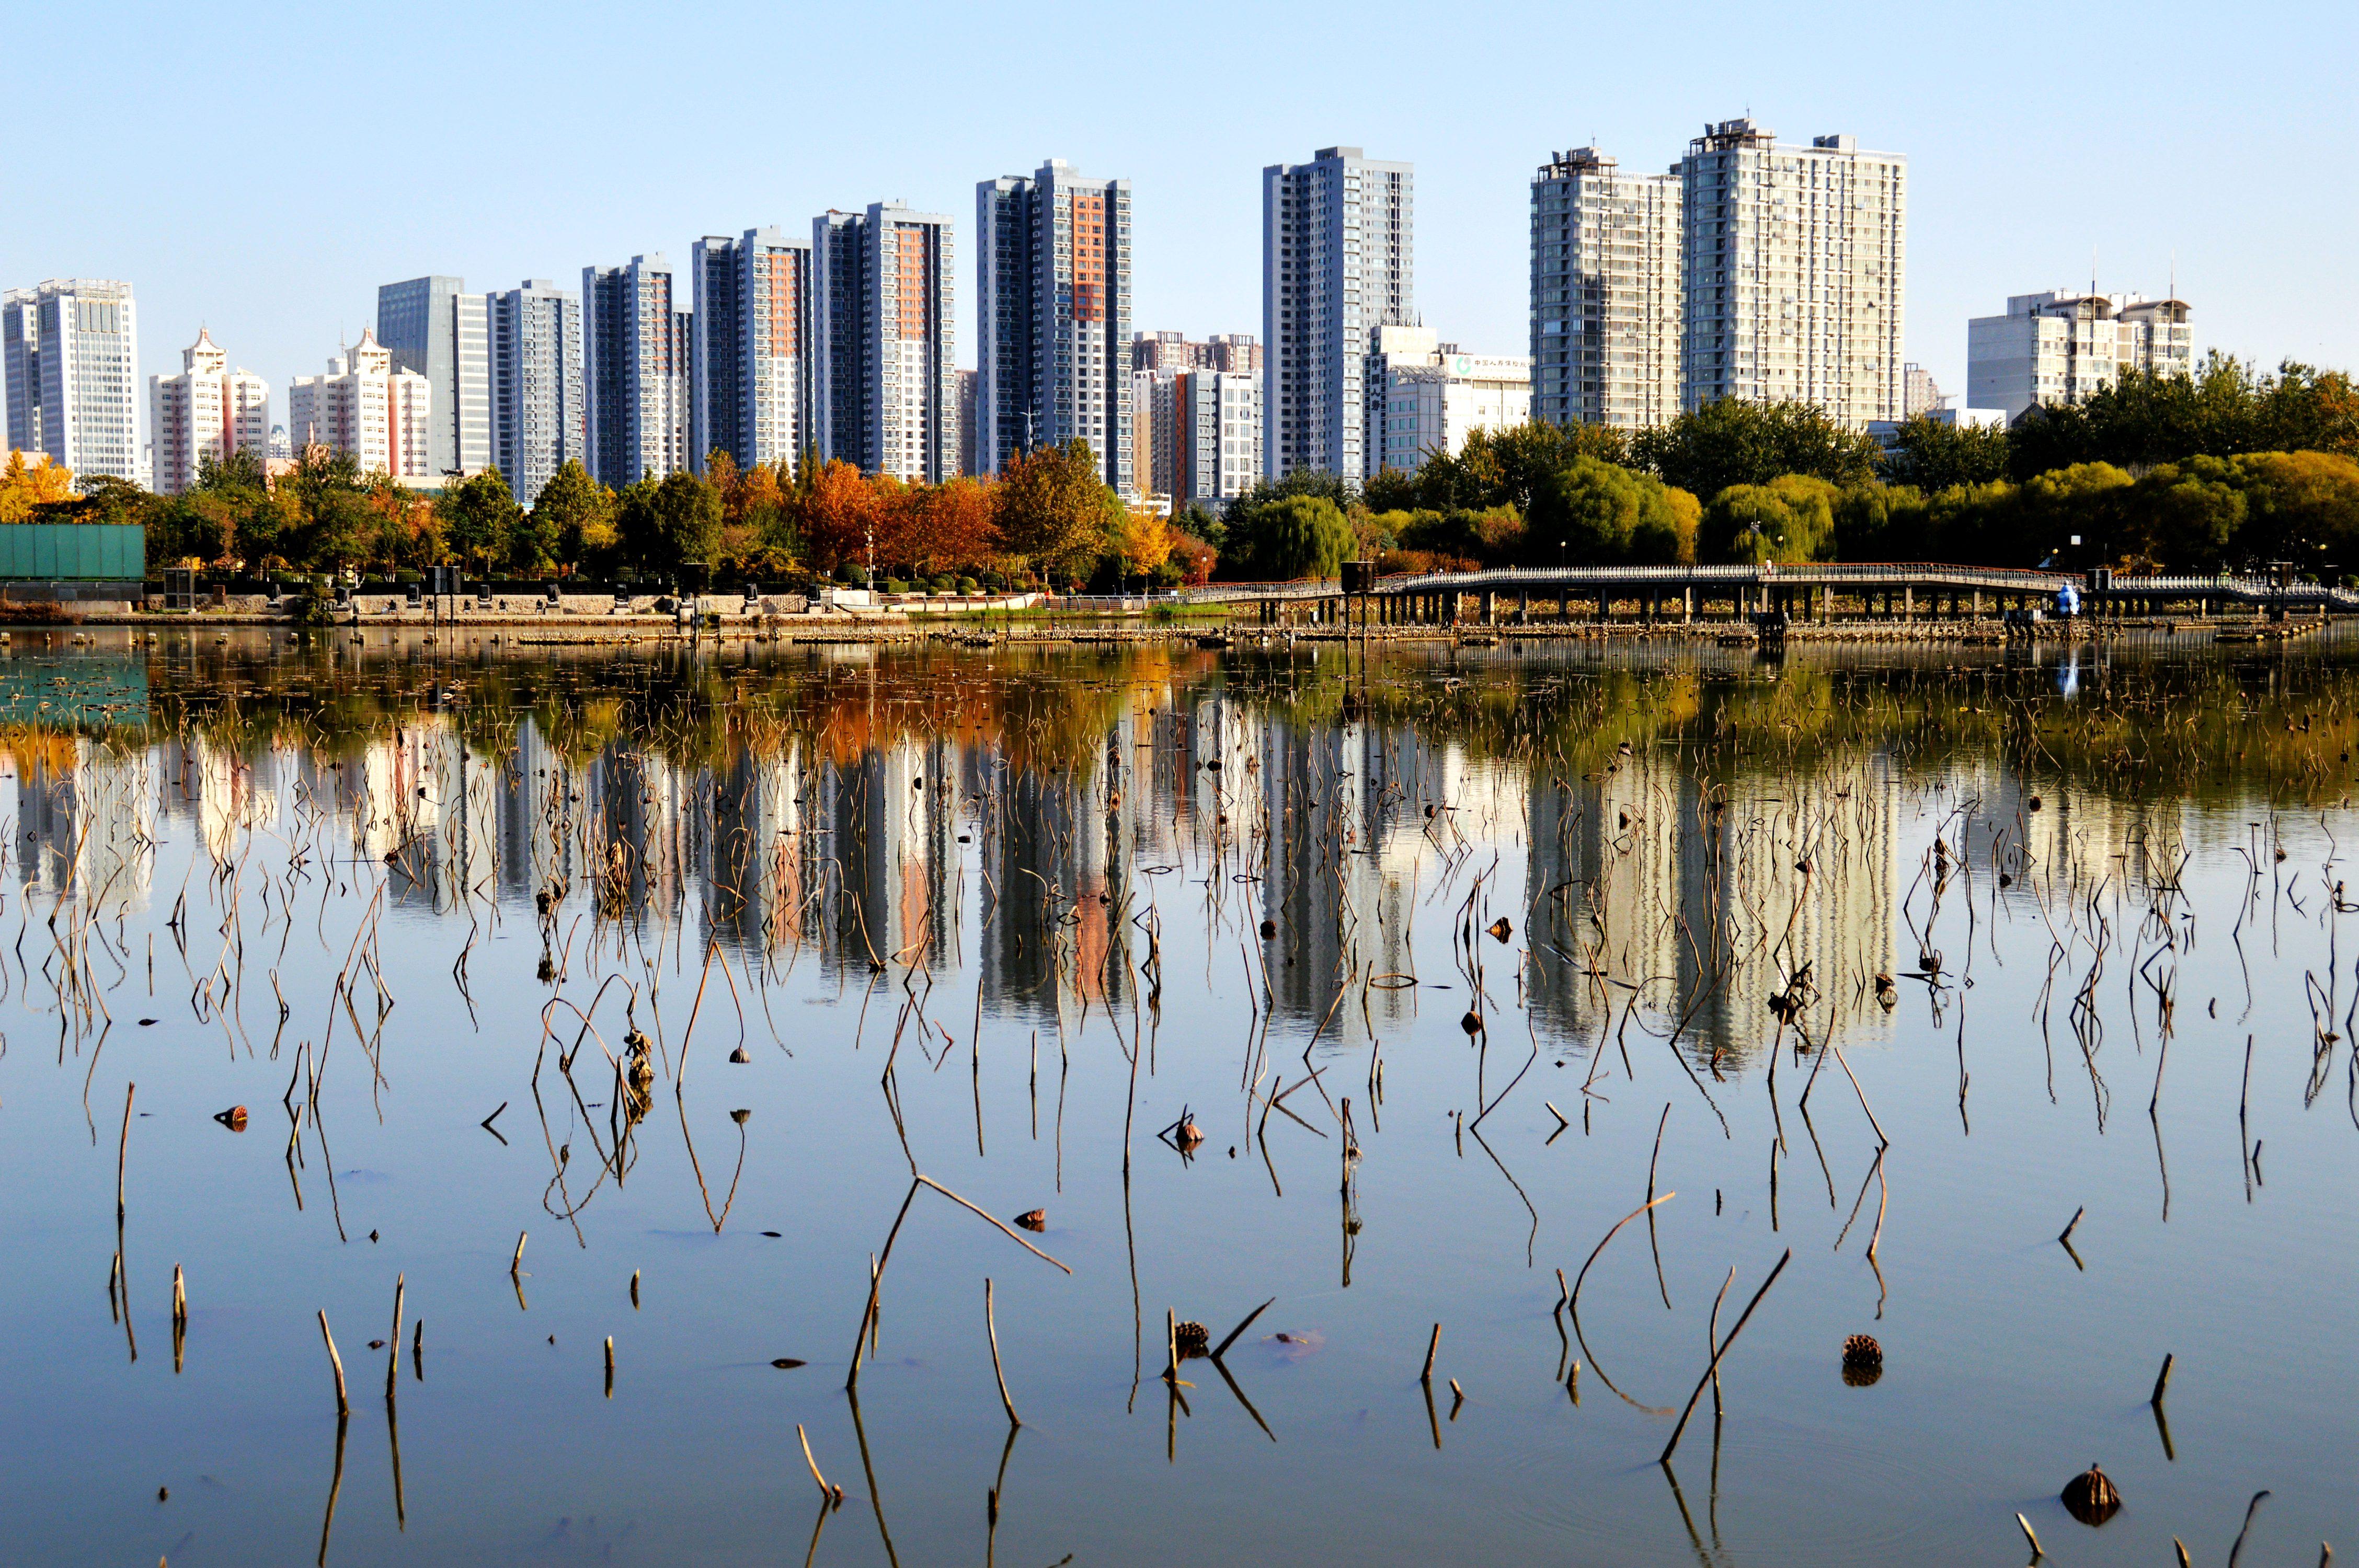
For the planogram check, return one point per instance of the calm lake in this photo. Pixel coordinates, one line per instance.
(1380, 986)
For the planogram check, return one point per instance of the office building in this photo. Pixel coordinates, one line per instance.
(434, 327)
(1215, 426)
(1237, 351)
(207, 411)
(1338, 254)
(538, 422)
(1428, 397)
(753, 323)
(365, 406)
(71, 348)
(1053, 272)
(634, 371)
(1606, 293)
(2058, 346)
(1795, 260)
(885, 392)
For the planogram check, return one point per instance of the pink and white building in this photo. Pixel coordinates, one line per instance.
(364, 406)
(207, 411)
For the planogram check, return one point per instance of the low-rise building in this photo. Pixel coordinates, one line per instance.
(2058, 346)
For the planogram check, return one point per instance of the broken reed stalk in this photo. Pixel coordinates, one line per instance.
(1431, 1345)
(828, 1494)
(122, 1151)
(2071, 1225)
(393, 1346)
(2161, 1381)
(343, 1405)
(2039, 1551)
(610, 1366)
(990, 1327)
(179, 1300)
(1572, 1298)
(1222, 1348)
(516, 1262)
(1669, 1448)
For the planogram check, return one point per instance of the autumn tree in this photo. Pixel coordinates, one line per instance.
(24, 487)
(1055, 513)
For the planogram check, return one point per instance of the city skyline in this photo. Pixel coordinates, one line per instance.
(1999, 205)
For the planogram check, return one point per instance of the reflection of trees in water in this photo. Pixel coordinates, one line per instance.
(1661, 815)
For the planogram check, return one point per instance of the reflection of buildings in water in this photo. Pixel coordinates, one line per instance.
(84, 818)
(1053, 857)
(429, 810)
(2073, 841)
(1636, 877)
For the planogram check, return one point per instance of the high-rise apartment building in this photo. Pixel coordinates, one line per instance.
(434, 327)
(1237, 351)
(1216, 435)
(207, 411)
(969, 422)
(636, 357)
(1151, 429)
(1338, 252)
(1606, 293)
(366, 406)
(2056, 347)
(538, 420)
(886, 389)
(1918, 393)
(754, 365)
(1052, 272)
(1795, 260)
(71, 349)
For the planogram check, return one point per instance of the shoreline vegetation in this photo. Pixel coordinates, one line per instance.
(2226, 469)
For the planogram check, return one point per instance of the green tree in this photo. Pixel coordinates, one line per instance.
(2302, 506)
(328, 524)
(1054, 512)
(1289, 537)
(1506, 466)
(663, 524)
(576, 512)
(1588, 511)
(478, 516)
(1935, 454)
(1790, 518)
(1734, 442)
(2224, 408)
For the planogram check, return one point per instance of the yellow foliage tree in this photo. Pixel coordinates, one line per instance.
(1142, 540)
(23, 487)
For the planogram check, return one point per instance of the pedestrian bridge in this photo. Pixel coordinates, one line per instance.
(1816, 590)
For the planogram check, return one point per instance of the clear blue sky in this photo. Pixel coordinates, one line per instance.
(263, 167)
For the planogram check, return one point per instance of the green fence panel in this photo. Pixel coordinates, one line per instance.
(67, 552)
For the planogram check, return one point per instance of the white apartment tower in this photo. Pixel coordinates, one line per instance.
(1338, 254)
(2056, 347)
(885, 391)
(539, 425)
(1795, 261)
(71, 350)
(1052, 272)
(1215, 426)
(636, 364)
(1605, 283)
(754, 365)
(364, 405)
(207, 411)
